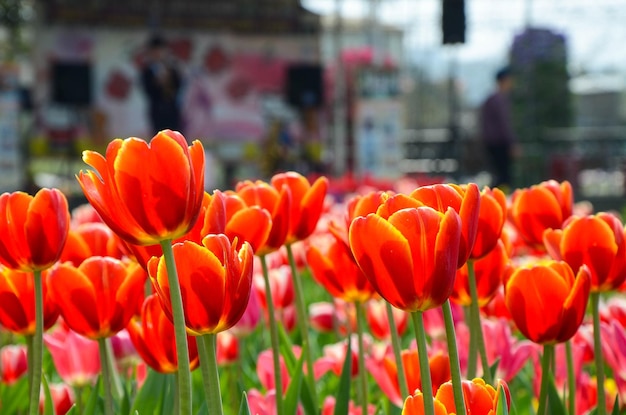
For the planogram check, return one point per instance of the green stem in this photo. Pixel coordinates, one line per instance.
(548, 352)
(360, 327)
(180, 333)
(472, 353)
(427, 386)
(204, 367)
(106, 377)
(397, 353)
(37, 349)
(116, 383)
(302, 319)
(476, 328)
(78, 393)
(571, 380)
(597, 348)
(271, 319)
(455, 368)
(213, 378)
(29, 360)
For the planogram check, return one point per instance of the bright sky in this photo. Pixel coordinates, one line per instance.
(595, 29)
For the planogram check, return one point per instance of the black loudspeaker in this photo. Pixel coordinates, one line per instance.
(71, 83)
(304, 86)
(453, 21)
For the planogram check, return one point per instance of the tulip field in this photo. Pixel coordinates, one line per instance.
(298, 296)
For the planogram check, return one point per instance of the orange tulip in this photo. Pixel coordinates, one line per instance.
(153, 338)
(228, 214)
(488, 271)
(360, 205)
(385, 373)
(147, 193)
(33, 229)
(333, 267)
(409, 258)
(597, 241)
(215, 281)
(480, 399)
(98, 298)
(276, 202)
(546, 301)
(464, 200)
(491, 218)
(17, 302)
(307, 202)
(91, 239)
(540, 207)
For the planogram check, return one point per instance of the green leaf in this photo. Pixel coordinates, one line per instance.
(73, 411)
(555, 404)
(149, 399)
(342, 403)
(244, 408)
(14, 398)
(615, 410)
(94, 400)
(286, 350)
(494, 368)
(293, 391)
(502, 408)
(48, 404)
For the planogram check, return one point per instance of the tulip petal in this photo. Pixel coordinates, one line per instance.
(385, 257)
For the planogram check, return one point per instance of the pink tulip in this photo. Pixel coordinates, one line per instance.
(75, 357)
(13, 363)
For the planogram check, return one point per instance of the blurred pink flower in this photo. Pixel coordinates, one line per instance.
(250, 318)
(13, 363)
(75, 357)
(227, 348)
(329, 407)
(62, 398)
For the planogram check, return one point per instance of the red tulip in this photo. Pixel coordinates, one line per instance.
(599, 242)
(228, 214)
(227, 350)
(540, 207)
(491, 219)
(153, 338)
(307, 202)
(76, 358)
(464, 200)
(333, 267)
(277, 203)
(34, 229)
(547, 302)
(147, 193)
(378, 322)
(17, 302)
(488, 272)
(409, 258)
(98, 298)
(13, 363)
(360, 205)
(91, 239)
(215, 282)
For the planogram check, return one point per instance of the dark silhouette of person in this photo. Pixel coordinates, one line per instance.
(497, 130)
(161, 82)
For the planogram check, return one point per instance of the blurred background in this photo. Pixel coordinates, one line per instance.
(360, 90)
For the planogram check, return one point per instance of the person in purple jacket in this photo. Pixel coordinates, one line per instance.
(497, 131)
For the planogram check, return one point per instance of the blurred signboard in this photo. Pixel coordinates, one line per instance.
(378, 123)
(235, 16)
(11, 174)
